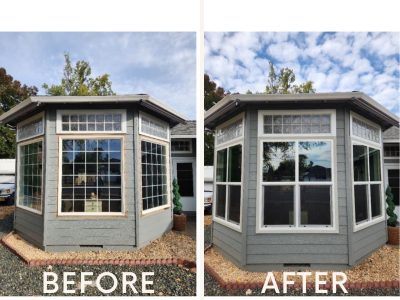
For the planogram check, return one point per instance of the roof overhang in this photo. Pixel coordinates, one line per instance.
(358, 100)
(32, 103)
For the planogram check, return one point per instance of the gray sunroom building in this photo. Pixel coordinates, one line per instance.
(298, 179)
(92, 172)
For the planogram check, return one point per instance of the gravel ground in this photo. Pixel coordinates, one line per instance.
(168, 280)
(212, 288)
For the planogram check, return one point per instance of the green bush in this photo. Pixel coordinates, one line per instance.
(177, 197)
(392, 220)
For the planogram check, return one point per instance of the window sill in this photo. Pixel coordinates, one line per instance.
(155, 210)
(230, 225)
(290, 230)
(38, 212)
(88, 215)
(367, 224)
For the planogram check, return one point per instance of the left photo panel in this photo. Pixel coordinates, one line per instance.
(98, 163)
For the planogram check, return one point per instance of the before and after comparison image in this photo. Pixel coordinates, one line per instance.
(199, 149)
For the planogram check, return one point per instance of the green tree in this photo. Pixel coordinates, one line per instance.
(176, 198)
(284, 82)
(12, 92)
(76, 81)
(212, 94)
(392, 220)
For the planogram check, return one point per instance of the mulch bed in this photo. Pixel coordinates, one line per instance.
(6, 211)
(380, 270)
(163, 251)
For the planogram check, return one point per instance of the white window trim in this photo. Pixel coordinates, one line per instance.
(29, 120)
(334, 228)
(225, 222)
(78, 112)
(226, 124)
(31, 141)
(389, 157)
(262, 113)
(362, 140)
(59, 185)
(156, 120)
(182, 140)
(139, 171)
(371, 221)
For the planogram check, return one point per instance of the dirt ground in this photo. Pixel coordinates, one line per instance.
(382, 265)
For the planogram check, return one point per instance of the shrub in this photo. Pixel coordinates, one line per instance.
(392, 220)
(177, 197)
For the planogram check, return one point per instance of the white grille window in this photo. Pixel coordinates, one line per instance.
(31, 129)
(180, 146)
(296, 123)
(230, 132)
(366, 131)
(102, 121)
(152, 127)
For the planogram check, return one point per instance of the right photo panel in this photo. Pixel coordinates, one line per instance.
(301, 154)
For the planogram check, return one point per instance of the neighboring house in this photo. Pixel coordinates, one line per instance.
(298, 179)
(391, 162)
(92, 172)
(183, 152)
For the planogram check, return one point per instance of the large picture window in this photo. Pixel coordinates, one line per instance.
(296, 184)
(154, 175)
(91, 171)
(367, 183)
(228, 185)
(30, 176)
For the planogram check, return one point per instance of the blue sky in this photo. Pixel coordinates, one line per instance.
(160, 64)
(367, 62)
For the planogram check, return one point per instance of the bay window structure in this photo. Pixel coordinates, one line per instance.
(92, 171)
(311, 185)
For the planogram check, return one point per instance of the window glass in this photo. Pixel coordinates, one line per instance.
(391, 150)
(278, 161)
(278, 205)
(235, 164)
(154, 175)
(375, 200)
(315, 205)
(221, 201)
(221, 165)
(180, 146)
(360, 202)
(234, 203)
(365, 131)
(153, 127)
(374, 164)
(360, 163)
(91, 122)
(33, 128)
(297, 124)
(229, 132)
(315, 161)
(91, 175)
(30, 175)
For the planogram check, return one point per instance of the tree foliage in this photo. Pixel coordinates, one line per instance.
(392, 220)
(12, 92)
(76, 81)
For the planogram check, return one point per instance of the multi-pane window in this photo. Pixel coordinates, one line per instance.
(391, 150)
(367, 183)
(296, 183)
(30, 176)
(152, 127)
(91, 121)
(30, 129)
(181, 146)
(296, 123)
(91, 175)
(154, 175)
(228, 184)
(229, 132)
(364, 130)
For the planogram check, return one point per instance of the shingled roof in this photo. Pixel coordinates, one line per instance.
(187, 130)
(391, 134)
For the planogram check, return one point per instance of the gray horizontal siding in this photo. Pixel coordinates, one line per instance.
(30, 226)
(300, 248)
(228, 240)
(63, 232)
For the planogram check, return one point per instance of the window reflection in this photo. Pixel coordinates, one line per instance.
(314, 161)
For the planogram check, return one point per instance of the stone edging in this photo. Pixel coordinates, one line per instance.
(120, 262)
(236, 285)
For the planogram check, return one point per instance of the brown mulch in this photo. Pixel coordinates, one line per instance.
(5, 211)
(170, 245)
(207, 220)
(382, 265)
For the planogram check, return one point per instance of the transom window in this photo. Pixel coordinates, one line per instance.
(296, 184)
(91, 175)
(365, 130)
(153, 127)
(228, 185)
(154, 175)
(91, 121)
(181, 146)
(229, 132)
(30, 128)
(367, 180)
(30, 176)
